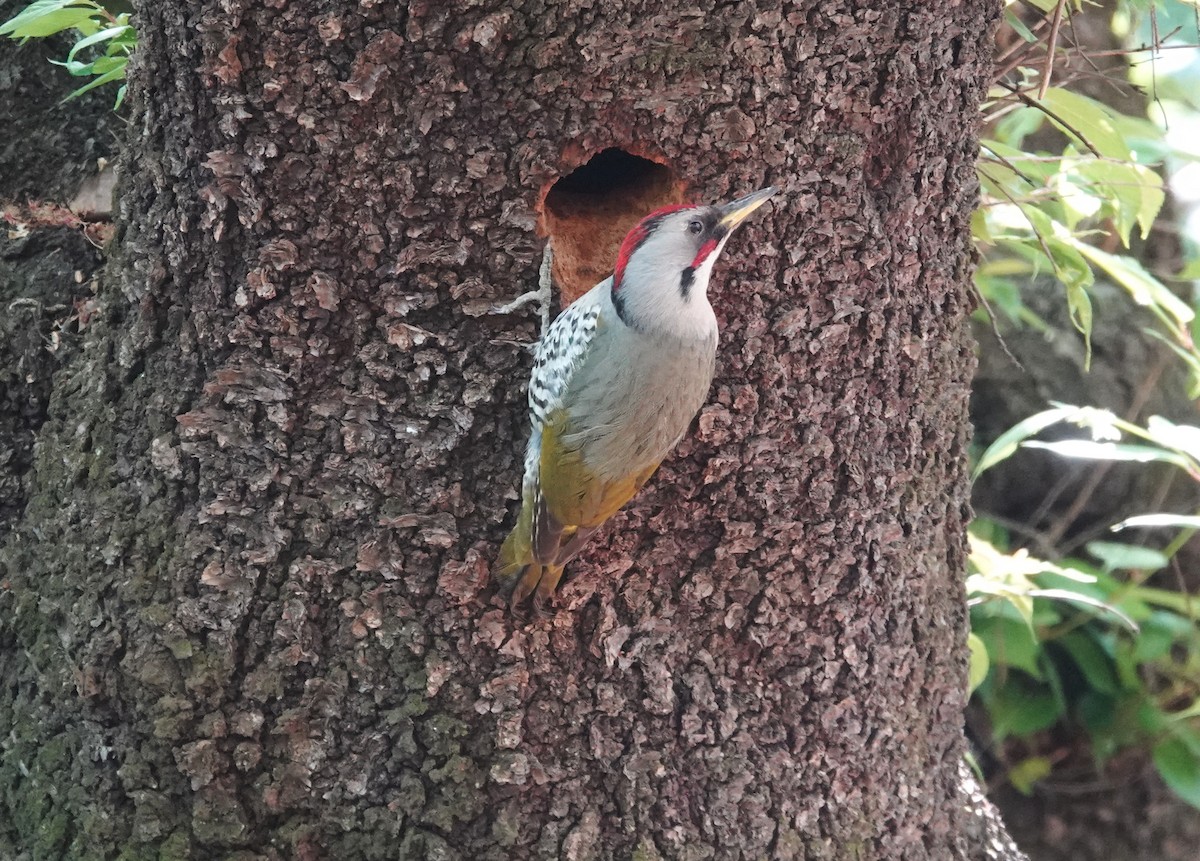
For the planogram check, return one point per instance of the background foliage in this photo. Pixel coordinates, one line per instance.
(1077, 642)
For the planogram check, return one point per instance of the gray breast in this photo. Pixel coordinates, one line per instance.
(634, 397)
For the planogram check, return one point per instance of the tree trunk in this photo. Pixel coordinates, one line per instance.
(248, 607)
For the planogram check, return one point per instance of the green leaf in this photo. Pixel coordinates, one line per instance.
(1179, 766)
(1035, 167)
(1093, 662)
(1019, 27)
(1181, 602)
(1150, 717)
(1001, 293)
(1027, 772)
(1133, 192)
(96, 38)
(1080, 200)
(30, 14)
(1010, 440)
(1140, 284)
(979, 663)
(1192, 711)
(1015, 126)
(1096, 711)
(1153, 198)
(1159, 632)
(1190, 272)
(1022, 707)
(114, 75)
(1079, 306)
(46, 24)
(1127, 557)
(1008, 642)
(1086, 120)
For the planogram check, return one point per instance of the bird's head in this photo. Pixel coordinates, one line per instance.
(661, 278)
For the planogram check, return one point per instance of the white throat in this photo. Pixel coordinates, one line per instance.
(653, 299)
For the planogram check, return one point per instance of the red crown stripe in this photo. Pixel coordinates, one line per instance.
(638, 235)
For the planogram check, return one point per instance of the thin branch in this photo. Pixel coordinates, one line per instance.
(991, 315)
(1008, 164)
(1051, 44)
(1034, 103)
(1075, 43)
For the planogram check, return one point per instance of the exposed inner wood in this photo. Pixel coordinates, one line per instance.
(587, 213)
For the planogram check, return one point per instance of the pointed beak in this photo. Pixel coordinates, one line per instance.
(737, 211)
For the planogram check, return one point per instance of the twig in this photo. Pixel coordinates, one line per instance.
(1041, 239)
(1008, 164)
(1034, 103)
(1051, 44)
(1075, 43)
(991, 315)
(1183, 588)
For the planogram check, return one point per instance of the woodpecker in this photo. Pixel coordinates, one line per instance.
(617, 378)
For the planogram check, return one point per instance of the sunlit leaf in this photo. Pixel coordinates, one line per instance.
(46, 24)
(1133, 192)
(1027, 772)
(1086, 120)
(1110, 451)
(1151, 521)
(1141, 285)
(1076, 597)
(1008, 442)
(1184, 438)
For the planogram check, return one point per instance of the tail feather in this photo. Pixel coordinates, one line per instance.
(516, 554)
(519, 569)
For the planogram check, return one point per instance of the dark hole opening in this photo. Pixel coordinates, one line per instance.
(609, 171)
(587, 213)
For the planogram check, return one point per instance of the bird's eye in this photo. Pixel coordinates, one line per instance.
(695, 227)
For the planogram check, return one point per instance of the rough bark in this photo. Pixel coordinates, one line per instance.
(47, 150)
(45, 277)
(248, 610)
